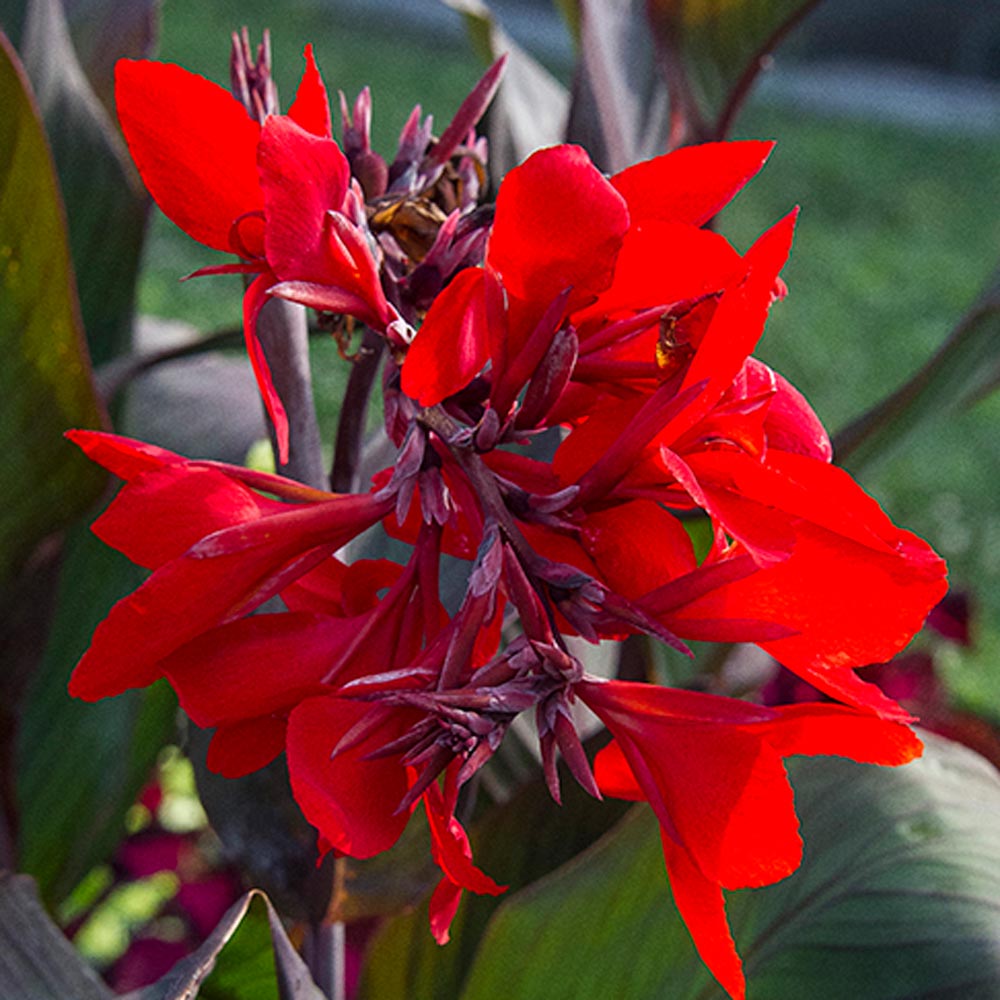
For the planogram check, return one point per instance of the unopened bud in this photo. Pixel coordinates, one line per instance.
(549, 380)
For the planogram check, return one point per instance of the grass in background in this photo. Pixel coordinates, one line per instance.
(896, 238)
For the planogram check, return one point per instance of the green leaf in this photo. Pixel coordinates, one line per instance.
(898, 897)
(713, 51)
(36, 960)
(244, 969)
(531, 106)
(82, 765)
(517, 843)
(964, 368)
(900, 894)
(105, 202)
(45, 380)
(602, 925)
(286, 978)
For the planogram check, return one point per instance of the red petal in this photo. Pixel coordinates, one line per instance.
(128, 458)
(712, 770)
(766, 533)
(303, 177)
(254, 267)
(638, 546)
(311, 107)
(589, 441)
(352, 802)
(559, 224)
(255, 666)
(690, 184)
(122, 456)
(855, 588)
(791, 423)
(450, 846)
(443, 907)
(245, 747)
(703, 910)
(717, 787)
(254, 299)
(222, 577)
(333, 588)
(160, 514)
(798, 487)
(837, 731)
(614, 776)
(194, 144)
(452, 345)
(665, 262)
(736, 325)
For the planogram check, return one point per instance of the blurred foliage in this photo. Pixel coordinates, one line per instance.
(74, 791)
(45, 382)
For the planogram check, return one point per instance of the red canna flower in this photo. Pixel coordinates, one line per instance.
(196, 148)
(580, 388)
(712, 770)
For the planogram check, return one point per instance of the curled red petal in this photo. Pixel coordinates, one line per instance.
(303, 176)
(194, 144)
(450, 846)
(791, 423)
(254, 299)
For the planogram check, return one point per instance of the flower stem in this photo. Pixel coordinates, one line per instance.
(284, 337)
(353, 411)
(324, 951)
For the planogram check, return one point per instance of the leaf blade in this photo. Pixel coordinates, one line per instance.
(45, 382)
(964, 368)
(36, 960)
(844, 925)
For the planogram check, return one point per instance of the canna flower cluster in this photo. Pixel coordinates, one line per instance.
(569, 383)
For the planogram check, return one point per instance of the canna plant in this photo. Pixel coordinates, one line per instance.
(577, 451)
